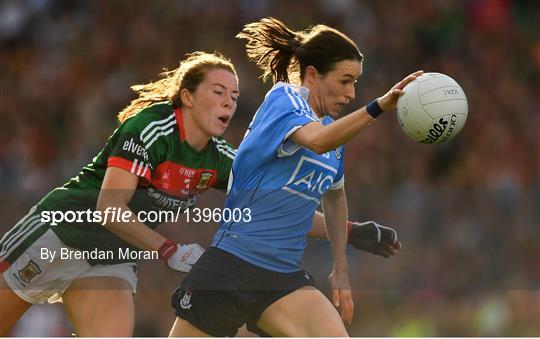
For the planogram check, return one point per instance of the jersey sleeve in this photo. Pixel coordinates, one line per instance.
(339, 180)
(284, 115)
(136, 147)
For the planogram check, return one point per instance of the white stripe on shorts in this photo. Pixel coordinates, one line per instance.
(14, 242)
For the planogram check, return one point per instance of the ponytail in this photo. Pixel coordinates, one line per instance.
(272, 46)
(284, 54)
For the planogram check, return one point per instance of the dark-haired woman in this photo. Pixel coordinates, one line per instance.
(166, 151)
(291, 159)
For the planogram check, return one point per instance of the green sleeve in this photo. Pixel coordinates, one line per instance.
(137, 147)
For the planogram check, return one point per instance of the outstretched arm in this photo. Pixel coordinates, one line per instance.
(322, 138)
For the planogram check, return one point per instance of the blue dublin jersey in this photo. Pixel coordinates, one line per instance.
(277, 184)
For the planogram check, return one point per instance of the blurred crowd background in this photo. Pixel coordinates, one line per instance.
(467, 212)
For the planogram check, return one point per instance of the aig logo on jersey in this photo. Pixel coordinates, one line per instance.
(311, 178)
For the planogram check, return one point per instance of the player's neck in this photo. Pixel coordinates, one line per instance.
(313, 103)
(316, 107)
(194, 136)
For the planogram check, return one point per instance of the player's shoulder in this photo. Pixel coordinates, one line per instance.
(287, 96)
(154, 113)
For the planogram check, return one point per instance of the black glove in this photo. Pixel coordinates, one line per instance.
(373, 238)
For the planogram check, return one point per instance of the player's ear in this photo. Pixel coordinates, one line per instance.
(312, 74)
(186, 97)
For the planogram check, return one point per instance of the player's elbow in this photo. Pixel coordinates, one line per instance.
(104, 200)
(322, 142)
(314, 136)
(109, 198)
(320, 149)
(319, 146)
(106, 205)
(101, 205)
(314, 144)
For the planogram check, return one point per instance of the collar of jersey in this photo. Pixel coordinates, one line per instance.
(301, 90)
(180, 123)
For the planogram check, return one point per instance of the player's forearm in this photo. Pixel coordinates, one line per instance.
(339, 132)
(335, 212)
(116, 191)
(133, 232)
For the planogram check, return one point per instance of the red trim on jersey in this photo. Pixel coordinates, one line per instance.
(138, 168)
(180, 123)
(4, 265)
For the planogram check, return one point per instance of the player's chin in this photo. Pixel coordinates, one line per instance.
(335, 110)
(218, 131)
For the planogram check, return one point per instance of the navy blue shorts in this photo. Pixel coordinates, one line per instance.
(222, 292)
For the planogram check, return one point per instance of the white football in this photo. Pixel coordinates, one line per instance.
(433, 109)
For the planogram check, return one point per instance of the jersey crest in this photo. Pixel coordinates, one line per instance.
(182, 181)
(29, 272)
(185, 303)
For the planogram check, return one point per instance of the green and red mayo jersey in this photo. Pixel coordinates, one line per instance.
(152, 146)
